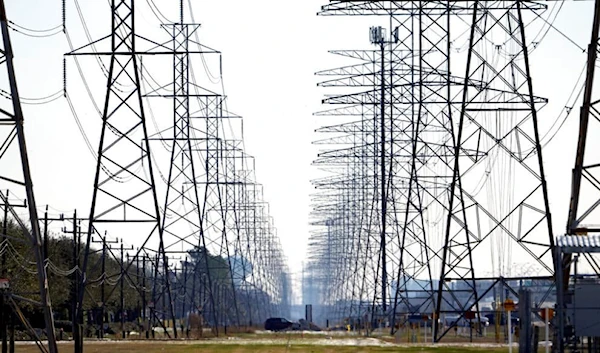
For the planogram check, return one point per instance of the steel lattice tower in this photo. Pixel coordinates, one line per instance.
(401, 130)
(442, 138)
(124, 199)
(214, 210)
(182, 219)
(498, 119)
(583, 206)
(226, 224)
(584, 200)
(13, 152)
(182, 199)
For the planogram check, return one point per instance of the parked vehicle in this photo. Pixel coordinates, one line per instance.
(278, 324)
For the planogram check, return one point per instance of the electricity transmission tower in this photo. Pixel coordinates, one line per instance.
(210, 211)
(214, 212)
(182, 220)
(15, 175)
(452, 149)
(583, 208)
(124, 198)
(585, 189)
(393, 171)
(497, 119)
(200, 198)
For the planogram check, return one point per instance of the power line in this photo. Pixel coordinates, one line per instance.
(36, 35)
(157, 13)
(36, 30)
(80, 127)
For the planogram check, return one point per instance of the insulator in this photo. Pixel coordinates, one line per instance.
(181, 11)
(65, 77)
(64, 15)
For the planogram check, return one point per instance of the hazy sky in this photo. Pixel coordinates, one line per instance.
(271, 50)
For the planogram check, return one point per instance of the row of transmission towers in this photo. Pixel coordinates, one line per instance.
(200, 238)
(434, 168)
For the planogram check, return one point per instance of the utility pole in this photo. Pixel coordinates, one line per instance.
(104, 243)
(153, 302)
(137, 283)
(12, 333)
(122, 276)
(76, 314)
(122, 301)
(5, 312)
(195, 305)
(183, 313)
(74, 305)
(164, 298)
(124, 266)
(145, 319)
(46, 254)
(102, 290)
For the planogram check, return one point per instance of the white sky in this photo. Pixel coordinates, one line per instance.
(271, 50)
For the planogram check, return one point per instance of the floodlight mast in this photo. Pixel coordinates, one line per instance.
(378, 38)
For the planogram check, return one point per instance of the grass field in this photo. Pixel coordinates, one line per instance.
(292, 341)
(167, 347)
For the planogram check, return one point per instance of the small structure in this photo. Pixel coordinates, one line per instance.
(578, 308)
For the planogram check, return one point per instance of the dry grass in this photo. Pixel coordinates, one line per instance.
(226, 347)
(249, 341)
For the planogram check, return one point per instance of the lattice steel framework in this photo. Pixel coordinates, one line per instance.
(17, 185)
(446, 139)
(498, 117)
(585, 196)
(124, 198)
(226, 224)
(585, 186)
(214, 211)
(402, 132)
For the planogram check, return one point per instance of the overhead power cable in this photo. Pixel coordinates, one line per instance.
(34, 101)
(36, 34)
(157, 13)
(567, 109)
(80, 127)
(551, 25)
